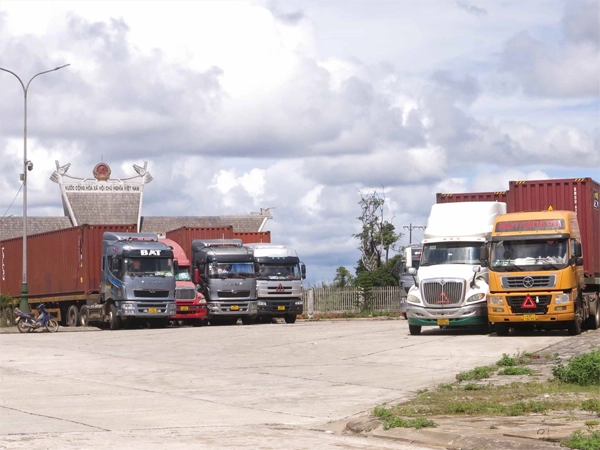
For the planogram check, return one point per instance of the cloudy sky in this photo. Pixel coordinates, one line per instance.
(300, 105)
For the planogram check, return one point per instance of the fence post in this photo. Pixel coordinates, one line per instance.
(310, 303)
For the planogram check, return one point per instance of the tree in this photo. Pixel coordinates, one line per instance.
(343, 277)
(377, 235)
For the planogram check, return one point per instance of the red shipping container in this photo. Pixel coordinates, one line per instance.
(59, 263)
(185, 235)
(253, 237)
(471, 197)
(572, 194)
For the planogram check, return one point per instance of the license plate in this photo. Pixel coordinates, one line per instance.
(443, 321)
(281, 308)
(528, 317)
(235, 308)
(152, 310)
(185, 308)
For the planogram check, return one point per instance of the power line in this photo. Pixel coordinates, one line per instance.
(410, 228)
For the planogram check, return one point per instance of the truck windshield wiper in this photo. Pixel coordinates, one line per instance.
(549, 266)
(513, 266)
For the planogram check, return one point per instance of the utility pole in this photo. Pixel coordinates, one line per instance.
(410, 228)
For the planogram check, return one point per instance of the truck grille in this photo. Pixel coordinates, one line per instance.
(185, 293)
(527, 282)
(150, 293)
(441, 293)
(233, 294)
(541, 304)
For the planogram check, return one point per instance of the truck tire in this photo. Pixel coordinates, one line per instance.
(593, 320)
(113, 319)
(73, 316)
(247, 320)
(502, 329)
(415, 330)
(291, 318)
(575, 325)
(84, 317)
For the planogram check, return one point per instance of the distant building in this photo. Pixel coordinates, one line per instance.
(103, 200)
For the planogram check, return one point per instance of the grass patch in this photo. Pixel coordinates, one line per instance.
(582, 440)
(583, 370)
(512, 370)
(478, 373)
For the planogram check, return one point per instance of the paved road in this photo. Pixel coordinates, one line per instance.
(262, 386)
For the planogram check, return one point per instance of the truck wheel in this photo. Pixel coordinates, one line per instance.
(73, 316)
(290, 318)
(84, 317)
(247, 320)
(593, 320)
(574, 327)
(502, 329)
(113, 319)
(414, 329)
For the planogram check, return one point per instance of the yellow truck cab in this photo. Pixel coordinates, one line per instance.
(536, 274)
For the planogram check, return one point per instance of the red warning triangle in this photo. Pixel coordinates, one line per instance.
(443, 299)
(528, 302)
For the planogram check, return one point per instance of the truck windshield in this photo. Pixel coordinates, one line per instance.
(231, 270)
(278, 272)
(183, 275)
(542, 253)
(149, 266)
(451, 253)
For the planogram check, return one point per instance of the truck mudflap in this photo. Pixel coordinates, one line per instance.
(280, 307)
(472, 315)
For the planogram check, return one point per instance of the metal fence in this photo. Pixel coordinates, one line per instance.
(354, 300)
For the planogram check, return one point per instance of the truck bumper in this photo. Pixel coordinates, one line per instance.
(193, 312)
(279, 307)
(231, 309)
(472, 315)
(531, 319)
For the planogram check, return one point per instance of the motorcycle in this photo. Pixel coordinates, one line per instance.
(28, 322)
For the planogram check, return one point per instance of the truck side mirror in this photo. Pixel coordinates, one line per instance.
(303, 270)
(175, 265)
(483, 253)
(408, 258)
(196, 276)
(577, 249)
(579, 261)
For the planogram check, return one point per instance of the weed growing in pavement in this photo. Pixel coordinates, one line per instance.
(582, 441)
(511, 370)
(592, 405)
(583, 370)
(518, 360)
(478, 373)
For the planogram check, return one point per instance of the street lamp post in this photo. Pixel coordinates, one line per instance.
(27, 166)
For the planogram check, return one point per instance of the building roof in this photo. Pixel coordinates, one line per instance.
(105, 208)
(240, 223)
(11, 227)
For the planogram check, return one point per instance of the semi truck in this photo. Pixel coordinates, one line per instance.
(279, 275)
(190, 303)
(452, 276)
(100, 274)
(545, 257)
(223, 271)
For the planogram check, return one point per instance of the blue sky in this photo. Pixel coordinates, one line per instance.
(301, 105)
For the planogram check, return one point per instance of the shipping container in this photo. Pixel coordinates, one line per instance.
(574, 194)
(185, 235)
(471, 197)
(253, 237)
(59, 263)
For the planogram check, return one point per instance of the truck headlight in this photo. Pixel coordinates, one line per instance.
(495, 300)
(413, 299)
(299, 303)
(128, 307)
(562, 299)
(201, 301)
(261, 303)
(476, 297)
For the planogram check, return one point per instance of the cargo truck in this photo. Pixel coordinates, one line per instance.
(223, 271)
(545, 257)
(100, 274)
(191, 305)
(452, 275)
(279, 275)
